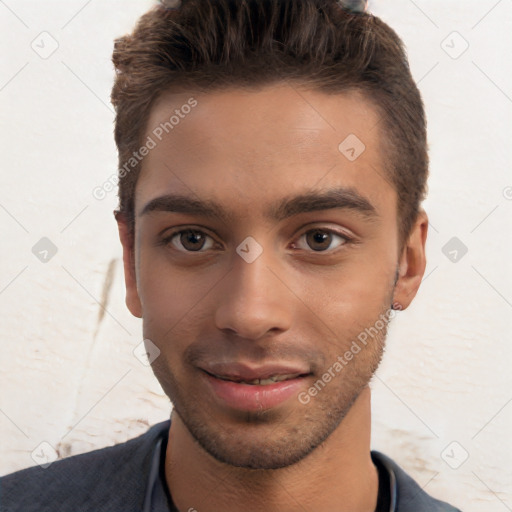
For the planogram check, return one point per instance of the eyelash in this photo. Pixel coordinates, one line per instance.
(346, 239)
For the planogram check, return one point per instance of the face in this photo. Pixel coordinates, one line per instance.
(264, 250)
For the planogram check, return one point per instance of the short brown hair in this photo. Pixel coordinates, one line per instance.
(208, 45)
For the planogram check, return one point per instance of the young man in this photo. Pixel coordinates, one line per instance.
(272, 167)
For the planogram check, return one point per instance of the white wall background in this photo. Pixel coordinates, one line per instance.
(69, 377)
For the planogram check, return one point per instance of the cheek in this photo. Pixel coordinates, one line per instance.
(163, 294)
(350, 298)
(175, 302)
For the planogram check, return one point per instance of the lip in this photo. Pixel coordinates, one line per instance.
(253, 397)
(242, 371)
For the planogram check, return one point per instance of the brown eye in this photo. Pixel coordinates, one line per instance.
(322, 240)
(190, 240)
(318, 240)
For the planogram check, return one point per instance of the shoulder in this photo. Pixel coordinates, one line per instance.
(410, 497)
(112, 478)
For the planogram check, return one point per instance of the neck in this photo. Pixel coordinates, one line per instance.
(338, 475)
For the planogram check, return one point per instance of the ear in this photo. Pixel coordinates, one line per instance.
(127, 241)
(412, 263)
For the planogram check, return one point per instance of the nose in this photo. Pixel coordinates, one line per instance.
(254, 301)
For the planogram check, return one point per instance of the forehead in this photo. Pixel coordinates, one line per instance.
(247, 148)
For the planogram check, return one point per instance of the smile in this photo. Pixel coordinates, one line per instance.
(254, 394)
(261, 382)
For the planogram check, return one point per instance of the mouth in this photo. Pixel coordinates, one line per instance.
(258, 381)
(244, 389)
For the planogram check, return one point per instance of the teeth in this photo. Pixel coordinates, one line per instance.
(264, 382)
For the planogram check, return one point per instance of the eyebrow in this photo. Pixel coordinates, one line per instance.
(342, 198)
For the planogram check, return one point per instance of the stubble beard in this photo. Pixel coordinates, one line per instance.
(272, 439)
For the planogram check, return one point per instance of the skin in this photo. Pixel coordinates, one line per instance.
(248, 150)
